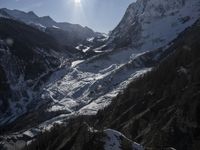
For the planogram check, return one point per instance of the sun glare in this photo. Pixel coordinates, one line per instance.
(77, 1)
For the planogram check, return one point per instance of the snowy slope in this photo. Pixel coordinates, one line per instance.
(23, 67)
(107, 139)
(113, 141)
(150, 24)
(22, 89)
(83, 87)
(89, 85)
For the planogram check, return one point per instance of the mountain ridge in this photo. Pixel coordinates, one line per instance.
(75, 32)
(137, 26)
(14, 12)
(160, 109)
(82, 87)
(90, 78)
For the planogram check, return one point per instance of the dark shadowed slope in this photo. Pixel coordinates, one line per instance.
(26, 54)
(159, 110)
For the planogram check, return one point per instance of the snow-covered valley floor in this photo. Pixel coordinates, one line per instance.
(90, 85)
(86, 86)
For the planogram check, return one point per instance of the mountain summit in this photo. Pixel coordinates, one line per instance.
(60, 73)
(72, 33)
(150, 24)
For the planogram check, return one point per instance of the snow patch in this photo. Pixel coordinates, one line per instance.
(114, 138)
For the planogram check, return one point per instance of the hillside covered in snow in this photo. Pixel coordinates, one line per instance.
(49, 76)
(160, 109)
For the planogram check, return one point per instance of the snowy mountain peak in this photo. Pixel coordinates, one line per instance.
(45, 21)
(31, 13)
(82, 87)
(18, 14)
(47, 18)
(154, 8)
(61, 31)
(150, 24)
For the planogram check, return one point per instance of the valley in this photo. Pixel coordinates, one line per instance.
(55, 76)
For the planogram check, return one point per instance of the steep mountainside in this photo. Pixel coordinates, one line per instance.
(83, 137)
(27, 55)
(71, 34)
(89, 85)
(150, 24)
(160, 109)
(28, 58)
(145, 36)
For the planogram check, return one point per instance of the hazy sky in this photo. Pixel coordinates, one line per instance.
(100, 15)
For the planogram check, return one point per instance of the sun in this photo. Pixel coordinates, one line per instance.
(77, 1)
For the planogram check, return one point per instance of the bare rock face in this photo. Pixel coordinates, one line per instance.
(150, 24)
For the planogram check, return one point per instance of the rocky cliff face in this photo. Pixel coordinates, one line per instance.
(150, 24)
